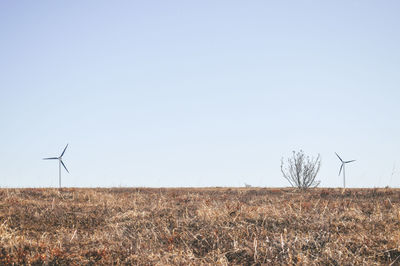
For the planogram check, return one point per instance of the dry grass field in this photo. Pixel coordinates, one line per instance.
(199, 226)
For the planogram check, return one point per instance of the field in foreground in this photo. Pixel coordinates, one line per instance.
(199, 226)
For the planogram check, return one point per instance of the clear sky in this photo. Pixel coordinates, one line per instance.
(198, 93)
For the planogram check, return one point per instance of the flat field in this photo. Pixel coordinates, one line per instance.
(199, 226)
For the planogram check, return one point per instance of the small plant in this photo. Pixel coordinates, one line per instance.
(301, 170)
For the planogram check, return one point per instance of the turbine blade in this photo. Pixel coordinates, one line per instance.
(64, 166)
(341, 167)
(350, 161)
(64, 151)
(51, 158)
(339, 157)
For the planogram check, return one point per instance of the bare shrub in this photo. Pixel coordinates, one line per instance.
(301, 170)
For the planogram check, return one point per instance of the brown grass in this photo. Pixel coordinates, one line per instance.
(199, 226)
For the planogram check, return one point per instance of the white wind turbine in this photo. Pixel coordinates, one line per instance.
(343, 167)
(60, 162)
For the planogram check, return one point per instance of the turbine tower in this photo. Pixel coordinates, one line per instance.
(60, 162)
(343, 167)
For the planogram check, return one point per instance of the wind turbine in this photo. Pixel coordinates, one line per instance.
(60, 162)
(343, 167)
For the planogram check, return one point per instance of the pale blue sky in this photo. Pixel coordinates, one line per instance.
(198, 93)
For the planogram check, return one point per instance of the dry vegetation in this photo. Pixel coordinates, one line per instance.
(199, 226)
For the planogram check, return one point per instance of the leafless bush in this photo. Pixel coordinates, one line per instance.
(301, 170)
